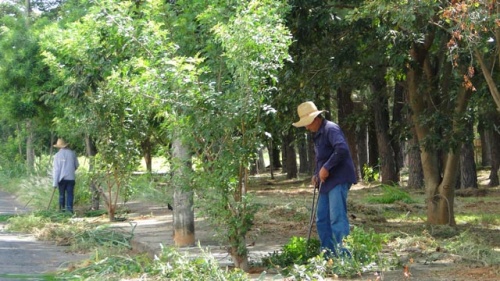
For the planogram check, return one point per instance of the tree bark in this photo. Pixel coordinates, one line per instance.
(494, 139)
(30, 148)
(388, 167)
(346, 109)
(468, 174)
(362, 141)
(291, 157)
(146, 147)
(183, 217)
(373, 154)
(439, 191)
(303, 156)
(396, 124)
(415, 171)
(484, 145)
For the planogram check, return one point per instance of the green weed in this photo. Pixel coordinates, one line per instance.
(304, 261)
(296, 251)
(391, 194)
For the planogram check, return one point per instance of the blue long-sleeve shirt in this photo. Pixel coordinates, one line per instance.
(65, 165)
(332, 152)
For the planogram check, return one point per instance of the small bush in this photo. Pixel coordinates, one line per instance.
(303, 261)
(296, 251)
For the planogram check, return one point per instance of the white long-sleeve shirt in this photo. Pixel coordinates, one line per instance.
(65, 165)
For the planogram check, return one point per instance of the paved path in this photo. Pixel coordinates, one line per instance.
(22, 257)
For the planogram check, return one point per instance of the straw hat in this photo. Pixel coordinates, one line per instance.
(307, 112)
(60, 143)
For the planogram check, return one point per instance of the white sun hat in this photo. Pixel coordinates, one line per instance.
(307, 112)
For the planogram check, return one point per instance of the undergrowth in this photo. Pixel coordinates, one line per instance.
(302, 259)
(168, 265)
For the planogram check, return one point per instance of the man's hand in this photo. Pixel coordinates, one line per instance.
(323, 174)
(314, 181)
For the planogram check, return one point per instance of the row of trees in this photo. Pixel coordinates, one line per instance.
(411, 83)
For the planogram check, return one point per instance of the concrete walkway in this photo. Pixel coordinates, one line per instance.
(22, 257)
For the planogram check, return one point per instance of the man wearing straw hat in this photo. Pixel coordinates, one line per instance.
(65, 165)
(334, 173)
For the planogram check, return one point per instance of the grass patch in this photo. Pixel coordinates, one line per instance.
(5, 217)
(391, 194)
(482, 218)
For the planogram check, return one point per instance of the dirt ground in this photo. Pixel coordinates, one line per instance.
(285, 210)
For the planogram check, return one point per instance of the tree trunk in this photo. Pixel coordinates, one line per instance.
(397, 123)
(91, 152)
(468, 174)
(373, 154)
(439, 191)
(291, 157)
(276, 156)
(271, 158)
(346, 109)
(30, 148)
(240, 260)
(303, 157)
(146, 147)
(494, 139)
(183, 217)
(415, 171)
(362, 141)
(484, 148)
(388, 169)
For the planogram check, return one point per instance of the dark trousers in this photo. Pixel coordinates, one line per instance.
(66, 195)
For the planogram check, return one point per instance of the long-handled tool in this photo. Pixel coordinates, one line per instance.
(51, 197)
(313, 211)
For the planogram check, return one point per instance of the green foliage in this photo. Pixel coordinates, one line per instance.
(370, 174)
(297, 251)
(5, 217)
(28, 223)
(391, 194)
(305, 262)
(169, 265)
(365, 245)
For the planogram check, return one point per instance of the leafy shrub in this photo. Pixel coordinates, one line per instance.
(296, 251)
(365, 245)
(370, 174)
(390, 195)
(304, 262)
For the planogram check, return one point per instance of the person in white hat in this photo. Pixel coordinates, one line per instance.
(63, 174)
(334, 174)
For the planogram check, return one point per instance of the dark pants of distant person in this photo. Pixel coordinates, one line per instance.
(66, 189)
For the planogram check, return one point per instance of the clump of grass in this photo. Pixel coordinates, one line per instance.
(27, 223)
(5, 217)
(391, 194)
